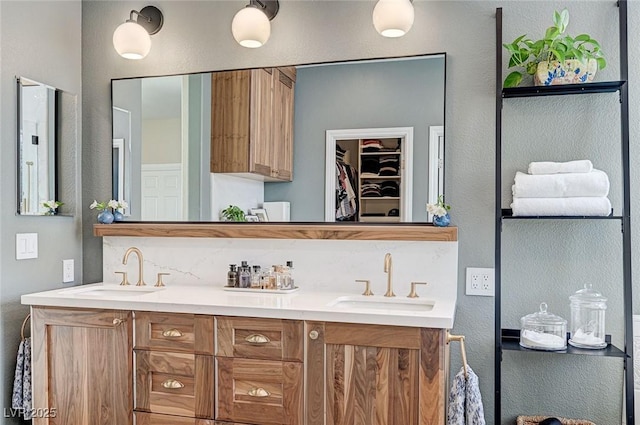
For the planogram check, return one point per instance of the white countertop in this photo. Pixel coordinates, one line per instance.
(299, 305)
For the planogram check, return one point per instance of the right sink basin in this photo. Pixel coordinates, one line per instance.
(382, 303)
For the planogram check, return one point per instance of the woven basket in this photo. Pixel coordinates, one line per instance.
(535, 420)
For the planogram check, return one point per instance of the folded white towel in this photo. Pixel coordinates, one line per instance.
(595, 183)
(561, 206)
(545, 167)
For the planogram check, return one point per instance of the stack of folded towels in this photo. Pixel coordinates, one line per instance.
(571, 188)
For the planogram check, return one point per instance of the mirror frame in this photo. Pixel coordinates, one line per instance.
(53, 156)
(442, 179)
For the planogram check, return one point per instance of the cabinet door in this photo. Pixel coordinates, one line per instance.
(82, 366)
(261, 121)
(230, 103)
(371, 374)
(283, 126)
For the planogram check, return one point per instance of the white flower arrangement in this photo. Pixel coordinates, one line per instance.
(112, 204)
(52, 205)
(439, 209)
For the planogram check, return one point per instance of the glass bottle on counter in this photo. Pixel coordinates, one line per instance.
(244, 276)
(255, 277)
(232, 276)
(292, 283)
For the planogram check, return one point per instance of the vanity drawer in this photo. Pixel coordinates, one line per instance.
(174, 383)
(271, 339)
(175, 332)
(153, 419)
(259, 391)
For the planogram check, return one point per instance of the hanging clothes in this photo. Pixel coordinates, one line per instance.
(465, 401)
(346, 192)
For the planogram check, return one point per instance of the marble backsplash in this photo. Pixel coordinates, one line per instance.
(319, 265)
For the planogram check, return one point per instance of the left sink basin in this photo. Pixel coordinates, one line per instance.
(110, 291)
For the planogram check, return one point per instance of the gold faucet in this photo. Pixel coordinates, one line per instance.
(140, 261)
(388, 267)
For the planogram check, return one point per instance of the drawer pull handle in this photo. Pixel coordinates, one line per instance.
(117, 321)
(257, 339)
(172, 333)
(258, 392)
(172, 384)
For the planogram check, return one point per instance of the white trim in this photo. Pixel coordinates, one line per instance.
(184, 123)
(436, 156)
(404, 133)
(172, 166)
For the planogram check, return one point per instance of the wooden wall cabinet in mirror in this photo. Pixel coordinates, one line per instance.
(37, 134)
(252, 122)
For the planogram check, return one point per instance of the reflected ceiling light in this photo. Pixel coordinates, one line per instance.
(251, 27)
(393, 18)
(132, 39)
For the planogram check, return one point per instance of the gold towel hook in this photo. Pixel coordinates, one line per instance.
(24, 323)
(462, 350)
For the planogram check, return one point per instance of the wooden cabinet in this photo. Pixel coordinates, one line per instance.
(174, 368)
(263, 370)
(373, 374)
(259, 371)
(252, 122)
(82, 366)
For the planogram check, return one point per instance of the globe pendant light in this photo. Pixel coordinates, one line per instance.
(393, 18)
(132, 39)
(250, 26)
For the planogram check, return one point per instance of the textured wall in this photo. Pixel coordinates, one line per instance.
(196, 38)
(41, 41)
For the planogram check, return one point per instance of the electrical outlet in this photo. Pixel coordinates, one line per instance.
(480, 282)
(67, 271)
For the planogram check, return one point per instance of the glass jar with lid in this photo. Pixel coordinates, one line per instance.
(543, 331)
(587, 318)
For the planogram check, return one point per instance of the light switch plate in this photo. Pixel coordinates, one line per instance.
(26, 246)
(67, 271)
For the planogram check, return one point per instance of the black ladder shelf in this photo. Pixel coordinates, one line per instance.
(508, 339)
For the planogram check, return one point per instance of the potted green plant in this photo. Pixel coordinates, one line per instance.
(557, 58)
(232, 213)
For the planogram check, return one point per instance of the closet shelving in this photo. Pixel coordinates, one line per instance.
(508, 339)
(376, 207)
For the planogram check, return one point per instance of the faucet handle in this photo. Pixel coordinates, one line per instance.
(124, 278)
(413, 293)
(159, 282)
(367, 287)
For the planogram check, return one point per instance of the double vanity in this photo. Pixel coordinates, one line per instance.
(191, 352)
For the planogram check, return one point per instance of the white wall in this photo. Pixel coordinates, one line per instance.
(40, 40)
(231, 190)
(196, 38)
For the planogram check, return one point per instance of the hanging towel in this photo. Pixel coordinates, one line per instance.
(561, 206)
(465, 401)
(21, 397)
(595, 183)
(580, 166)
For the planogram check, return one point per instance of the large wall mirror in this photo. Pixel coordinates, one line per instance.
(37, 138)
(163, 154)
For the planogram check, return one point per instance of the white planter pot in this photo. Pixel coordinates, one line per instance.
(571, 71)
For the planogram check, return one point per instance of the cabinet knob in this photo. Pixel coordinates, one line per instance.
(172, 333)
(257, 339)
(313, 334)
(258, 392)
(117, 321)
(172, 384)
